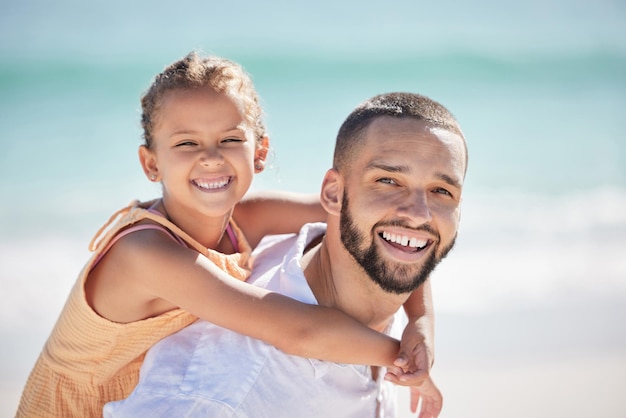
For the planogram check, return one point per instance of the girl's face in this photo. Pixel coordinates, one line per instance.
(202, 152)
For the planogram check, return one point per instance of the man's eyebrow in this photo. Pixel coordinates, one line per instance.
(374, 165)
(449, 180)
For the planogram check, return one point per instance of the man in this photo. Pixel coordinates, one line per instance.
(393, 201)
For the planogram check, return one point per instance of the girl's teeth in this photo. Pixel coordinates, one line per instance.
(212, 185)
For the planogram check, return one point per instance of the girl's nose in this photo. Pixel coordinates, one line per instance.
(211, 157)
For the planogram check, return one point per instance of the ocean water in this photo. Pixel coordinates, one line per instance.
(537, 282)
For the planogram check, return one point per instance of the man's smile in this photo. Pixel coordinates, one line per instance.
(405, 242)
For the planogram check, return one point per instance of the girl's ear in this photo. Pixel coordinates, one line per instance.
(332, 192)
(148, 162)
(260, 154)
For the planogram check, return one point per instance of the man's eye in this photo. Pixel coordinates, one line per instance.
(442, 191)
(386, 180)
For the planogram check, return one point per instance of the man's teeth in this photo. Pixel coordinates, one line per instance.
(214, 184)
(404, 240)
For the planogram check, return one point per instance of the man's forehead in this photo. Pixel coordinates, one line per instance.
(407, 134)
(389, 127)
(387, 123)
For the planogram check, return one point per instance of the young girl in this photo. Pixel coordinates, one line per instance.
(160, 265)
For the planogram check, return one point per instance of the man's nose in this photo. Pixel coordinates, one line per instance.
(415, 208)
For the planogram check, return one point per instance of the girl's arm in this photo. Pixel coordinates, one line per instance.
(276, 212)
(282, 212)
(146, 273)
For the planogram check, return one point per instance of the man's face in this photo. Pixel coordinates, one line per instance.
(401, 201)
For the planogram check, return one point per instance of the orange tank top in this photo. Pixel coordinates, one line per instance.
(88, 360)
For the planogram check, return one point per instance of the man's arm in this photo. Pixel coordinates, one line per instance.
(420, 331)
(416, 355)
(276, 212)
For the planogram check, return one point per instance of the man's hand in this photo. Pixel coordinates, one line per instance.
(431, 398)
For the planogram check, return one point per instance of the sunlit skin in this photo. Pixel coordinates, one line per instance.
(405, 180)
(204, 156)
(205, 160)
(409, 177)
(404, 184)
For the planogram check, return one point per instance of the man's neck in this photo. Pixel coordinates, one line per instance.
(337, 281)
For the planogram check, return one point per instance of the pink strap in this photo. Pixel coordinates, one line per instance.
(229, 230)
(133, 229)
(233, 238)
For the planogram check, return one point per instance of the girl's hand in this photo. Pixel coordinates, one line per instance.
(412, 368)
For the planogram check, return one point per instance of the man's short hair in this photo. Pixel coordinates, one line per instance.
(399, 105)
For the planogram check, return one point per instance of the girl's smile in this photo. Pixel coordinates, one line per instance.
(212, 185)
(204, 155)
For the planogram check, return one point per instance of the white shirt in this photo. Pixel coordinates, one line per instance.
(208, 371)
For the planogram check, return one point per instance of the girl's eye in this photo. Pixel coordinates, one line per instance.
(185, 143)
(232, 140)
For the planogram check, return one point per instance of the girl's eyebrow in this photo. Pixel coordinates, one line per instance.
(183, 132)
(191, 131)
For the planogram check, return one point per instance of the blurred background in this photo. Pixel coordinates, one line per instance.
(530, 305)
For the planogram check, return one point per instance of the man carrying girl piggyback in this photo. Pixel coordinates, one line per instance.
(158, 266)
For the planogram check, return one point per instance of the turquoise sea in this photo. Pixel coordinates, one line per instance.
(530, 304)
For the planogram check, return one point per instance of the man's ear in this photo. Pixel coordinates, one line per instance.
(332, 192)
(260, 154)
(148, 162)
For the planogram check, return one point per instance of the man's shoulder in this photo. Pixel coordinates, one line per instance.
(272, 243)
(268, 257)
(277, 251)
(276, 243)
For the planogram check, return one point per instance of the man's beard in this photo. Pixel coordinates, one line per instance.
(398, 279)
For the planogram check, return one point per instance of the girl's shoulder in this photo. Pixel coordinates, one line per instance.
(138, 216)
